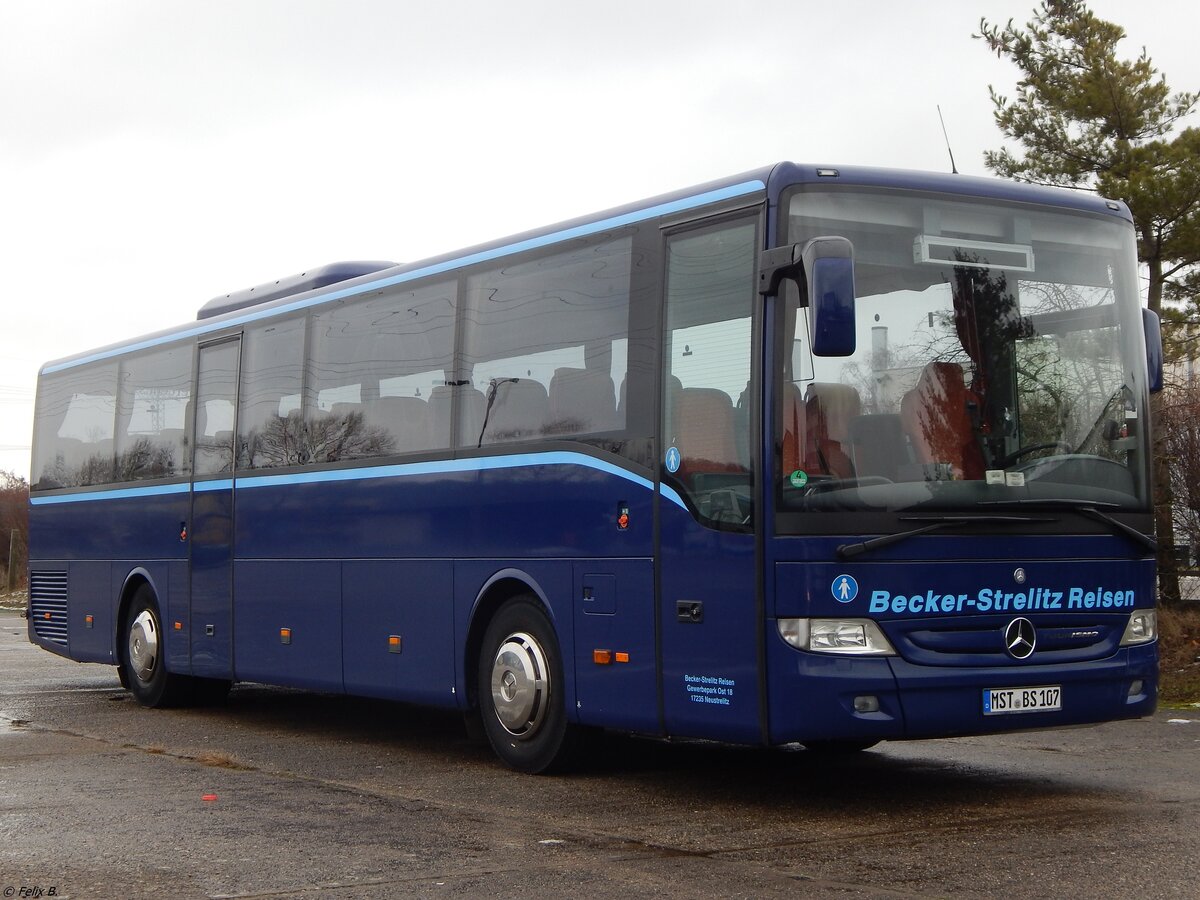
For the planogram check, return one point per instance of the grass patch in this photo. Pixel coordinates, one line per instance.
(222, 761)
(1179, 655)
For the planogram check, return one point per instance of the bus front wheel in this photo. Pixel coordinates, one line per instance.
(143, 655)
(521, 689)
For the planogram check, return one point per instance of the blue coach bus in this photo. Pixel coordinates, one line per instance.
(816, 455)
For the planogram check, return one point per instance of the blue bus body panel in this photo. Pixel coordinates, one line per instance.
(412, 600)
(98, 540)
(376, 563)
(812, 695)
(211, 612)
(945, 612)
(318, 596)
(786, 174)
(141, 524)
(287, 625)
(614, 611)
(710, 667)
(560, 504)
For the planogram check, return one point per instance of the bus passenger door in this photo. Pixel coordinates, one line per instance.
(211, 527)
(708, 604)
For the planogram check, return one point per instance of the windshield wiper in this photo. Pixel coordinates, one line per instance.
(1090, 509)
(936, 523)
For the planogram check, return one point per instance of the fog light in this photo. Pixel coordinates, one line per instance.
(866, 703)
(1136, 688)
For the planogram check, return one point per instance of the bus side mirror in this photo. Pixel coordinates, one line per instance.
(1154, 349)
(829, 273)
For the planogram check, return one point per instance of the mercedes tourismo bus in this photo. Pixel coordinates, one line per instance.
(817, 455)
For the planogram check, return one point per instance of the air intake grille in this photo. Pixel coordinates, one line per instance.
(979, 640)
(48, 605)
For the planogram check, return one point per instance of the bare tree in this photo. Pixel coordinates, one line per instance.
(14, 520)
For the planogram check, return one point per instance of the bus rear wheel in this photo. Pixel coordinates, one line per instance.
(143, 655)
(520, 686)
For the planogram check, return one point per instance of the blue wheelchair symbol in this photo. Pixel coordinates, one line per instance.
(844, 588)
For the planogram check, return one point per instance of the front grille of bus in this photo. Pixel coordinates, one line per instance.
(980, 641)
(48, 606)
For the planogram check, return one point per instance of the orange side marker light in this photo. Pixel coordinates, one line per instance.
(602, 657)
(622, 657)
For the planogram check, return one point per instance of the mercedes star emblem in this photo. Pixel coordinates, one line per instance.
(1020, 638)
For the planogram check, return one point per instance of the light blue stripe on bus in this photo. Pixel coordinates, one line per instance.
(589, 228)
(435, 467)
(156, 490)
(669, 494)
(452, 466)
(223, 484)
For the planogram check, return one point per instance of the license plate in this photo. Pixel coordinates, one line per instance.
(999, 701)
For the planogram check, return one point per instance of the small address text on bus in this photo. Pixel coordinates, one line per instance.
(712, 689)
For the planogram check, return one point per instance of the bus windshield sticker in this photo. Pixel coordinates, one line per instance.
(673, 460)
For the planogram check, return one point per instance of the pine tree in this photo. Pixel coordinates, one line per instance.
(1085, 118)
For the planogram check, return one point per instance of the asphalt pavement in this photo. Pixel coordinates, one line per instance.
(285, 794)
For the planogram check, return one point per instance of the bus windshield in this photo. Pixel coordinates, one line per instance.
(999, 360)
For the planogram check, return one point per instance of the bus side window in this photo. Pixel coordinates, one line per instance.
(76, 411)
(545, 341)
(582, 401)
(707, 356)
(269, 424)
(152, 412)
(381, 357)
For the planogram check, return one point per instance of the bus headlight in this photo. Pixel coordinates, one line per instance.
(858, 637)
(1142, 627)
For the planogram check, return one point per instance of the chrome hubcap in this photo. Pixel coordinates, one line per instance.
(143, 646)
(520, 685)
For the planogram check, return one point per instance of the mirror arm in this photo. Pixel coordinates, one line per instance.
(776, 264)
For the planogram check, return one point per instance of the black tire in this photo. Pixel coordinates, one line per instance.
(520, 684)
(141, 649)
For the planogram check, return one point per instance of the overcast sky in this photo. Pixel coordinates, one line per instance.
(156, 153)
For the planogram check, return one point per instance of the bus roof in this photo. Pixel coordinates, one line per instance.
(344, 279)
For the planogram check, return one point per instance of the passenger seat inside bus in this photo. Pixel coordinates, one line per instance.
(938, 422)
(407, 420)
(828, 410)
(582, 401)
(519, 411)
(705, 432)
(471, 405)
(795, 429)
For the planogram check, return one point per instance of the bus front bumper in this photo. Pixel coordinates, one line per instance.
(819, 697)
